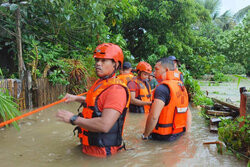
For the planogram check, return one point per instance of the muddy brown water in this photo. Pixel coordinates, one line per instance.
(44, 141)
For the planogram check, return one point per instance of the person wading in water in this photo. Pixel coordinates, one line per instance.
(100, 125)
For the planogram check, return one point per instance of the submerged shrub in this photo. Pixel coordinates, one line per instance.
(220, 77)
(234, 68)
(236, 137)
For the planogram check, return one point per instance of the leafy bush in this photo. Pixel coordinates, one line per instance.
(220, 77)
(193, 88)
(234, 136)
(233, 68)
(58, 77)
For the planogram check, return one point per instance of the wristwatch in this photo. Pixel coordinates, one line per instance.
(73, 118)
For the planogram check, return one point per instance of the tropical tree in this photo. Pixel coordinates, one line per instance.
(238, 16)
(162, 28)
(235, 44)
(213, 6)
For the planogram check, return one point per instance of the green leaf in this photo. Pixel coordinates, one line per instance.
(13, 7)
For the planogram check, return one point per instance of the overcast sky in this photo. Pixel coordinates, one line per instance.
(233, 5)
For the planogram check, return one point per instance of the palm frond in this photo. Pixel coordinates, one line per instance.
(241, 13)
(8, 108)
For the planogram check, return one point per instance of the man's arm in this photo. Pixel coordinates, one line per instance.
(97, 124)
(71, 98)
(189, 120)
(137, 101)
(153, 116)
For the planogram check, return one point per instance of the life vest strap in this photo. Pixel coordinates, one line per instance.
(149, 95)
(83, 104)
(122, 147)
(163, 125)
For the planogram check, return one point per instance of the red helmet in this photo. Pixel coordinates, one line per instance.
(144, 66)
(109, 51)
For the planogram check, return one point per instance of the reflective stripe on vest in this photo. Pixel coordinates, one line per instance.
(172, 119)
(114, 136)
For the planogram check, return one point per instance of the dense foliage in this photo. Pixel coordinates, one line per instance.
(236, 137)
(193, 89)
(146, 30)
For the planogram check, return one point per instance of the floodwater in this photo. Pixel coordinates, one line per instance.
(43, 141)
(226, 91)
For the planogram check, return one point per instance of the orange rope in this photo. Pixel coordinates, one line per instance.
(34, 111)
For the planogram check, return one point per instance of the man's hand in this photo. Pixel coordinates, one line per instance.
(70, 98)
(64, 115)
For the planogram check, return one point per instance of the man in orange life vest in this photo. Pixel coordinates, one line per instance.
(100, 125)
(167, 119)
(176, 62)
(126, 74)
(140, 89)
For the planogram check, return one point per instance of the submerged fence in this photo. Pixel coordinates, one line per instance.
(44, 93)
(16, 89)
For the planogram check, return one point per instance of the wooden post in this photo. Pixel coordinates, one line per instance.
(21, 66)
(9, 86)
(247, 95)
(28, 89)
(243, 100)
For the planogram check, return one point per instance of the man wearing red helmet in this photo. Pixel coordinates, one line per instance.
(100, 125)
(140, 89)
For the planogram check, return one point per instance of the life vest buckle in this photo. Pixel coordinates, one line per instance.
(79, 130)
(83, 104)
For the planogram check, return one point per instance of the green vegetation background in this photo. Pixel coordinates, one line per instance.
(192, 30)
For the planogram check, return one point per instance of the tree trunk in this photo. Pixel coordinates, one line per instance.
(21, 66)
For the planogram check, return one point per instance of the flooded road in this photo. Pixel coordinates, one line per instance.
(226, 91)
(43, 141)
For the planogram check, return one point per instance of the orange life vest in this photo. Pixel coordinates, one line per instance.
(114, 136)
(144, 95)
(177, 74)
(125, 77)
(173, 117)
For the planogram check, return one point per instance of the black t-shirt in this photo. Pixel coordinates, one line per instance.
(162, 92)
(181, 78)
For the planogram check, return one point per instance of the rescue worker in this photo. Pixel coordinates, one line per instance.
(126, 74)
(176, 63)
(152, 81)
(167, 119)
(140, 89)
(102, 119)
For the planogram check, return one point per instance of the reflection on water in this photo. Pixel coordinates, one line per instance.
(43, 141)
